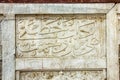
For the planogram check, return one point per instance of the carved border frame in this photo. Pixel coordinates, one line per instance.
(112, 45)
(8, 30)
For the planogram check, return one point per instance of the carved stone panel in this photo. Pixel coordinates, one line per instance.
(66, 75)
(56, 42)
(60, 36)
(59, 41)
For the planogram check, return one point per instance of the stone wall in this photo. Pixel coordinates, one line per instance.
(48, 42)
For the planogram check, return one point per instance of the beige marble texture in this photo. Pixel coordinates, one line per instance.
(63, 75)
(59, 41)
(54, 42)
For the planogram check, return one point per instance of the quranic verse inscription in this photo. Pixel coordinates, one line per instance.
(71, 75)
(60, 36)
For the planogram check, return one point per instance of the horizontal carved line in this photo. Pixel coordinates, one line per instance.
(68, 69)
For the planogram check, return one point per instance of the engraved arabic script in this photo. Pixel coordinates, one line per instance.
(60, 36)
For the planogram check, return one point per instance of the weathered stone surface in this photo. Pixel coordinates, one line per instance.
(55, 8)
(1, 18)
(66, 37)
(112, 45)
(54, 63)
(8, 48)
(63, 41)
(63, 36)
(65, 75)
(28, 64)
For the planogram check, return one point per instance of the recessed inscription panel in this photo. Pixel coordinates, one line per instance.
(60, 36)
(67, 75)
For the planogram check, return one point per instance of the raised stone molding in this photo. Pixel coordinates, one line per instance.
(55, 8)
(8, 47)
